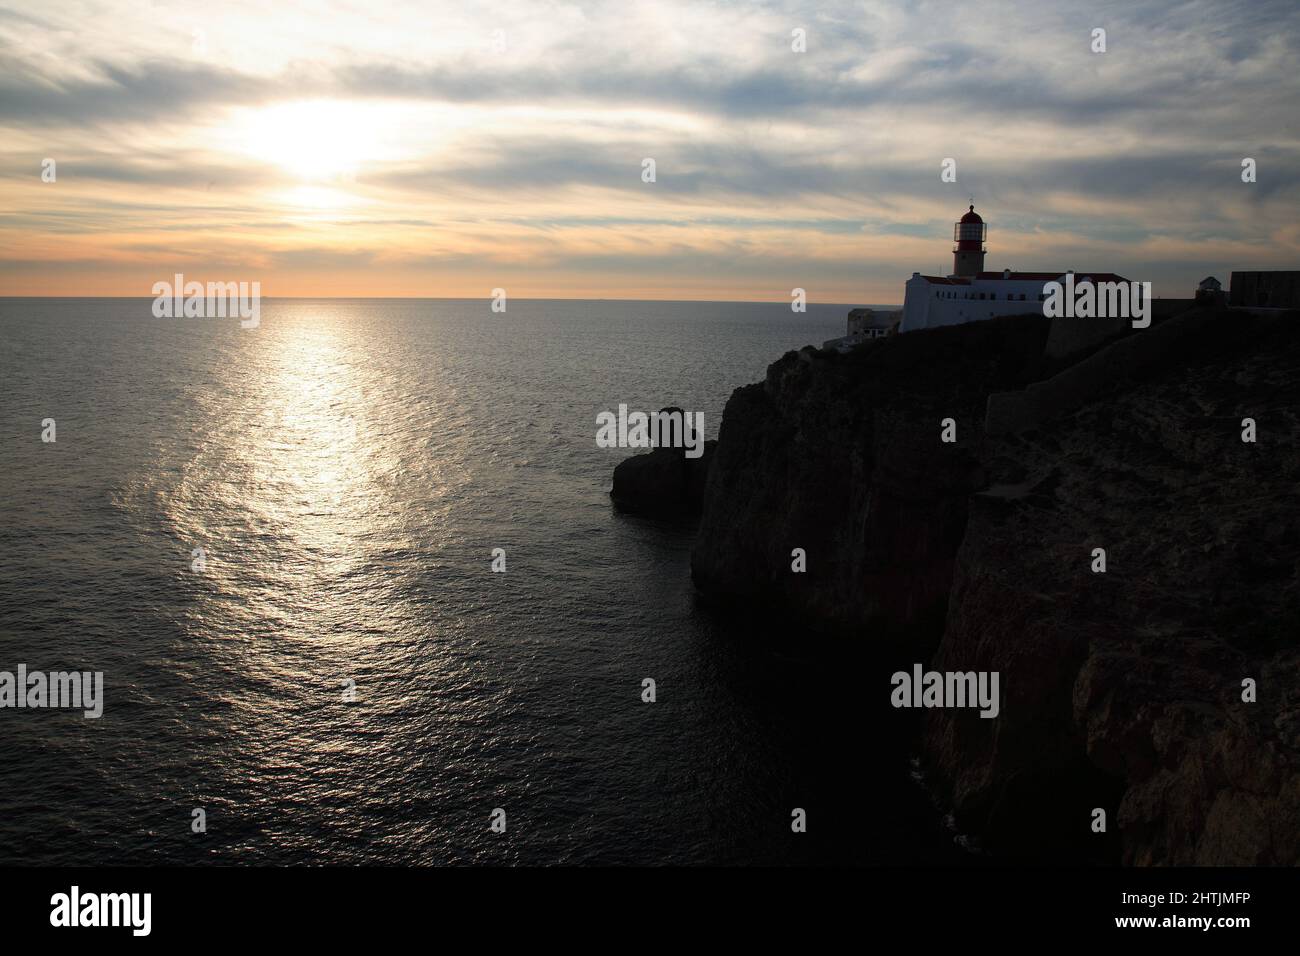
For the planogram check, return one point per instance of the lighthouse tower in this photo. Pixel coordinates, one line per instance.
(968, 234)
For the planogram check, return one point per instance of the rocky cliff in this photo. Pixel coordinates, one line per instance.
(663, 483)
(840, 455)
(1121, 690)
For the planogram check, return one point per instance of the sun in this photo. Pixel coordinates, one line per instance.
(316, 140)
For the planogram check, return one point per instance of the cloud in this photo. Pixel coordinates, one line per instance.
(533, 154)
(155, 91)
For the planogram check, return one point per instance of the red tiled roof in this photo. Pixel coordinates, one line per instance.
(1050, 276)
(1026, 277)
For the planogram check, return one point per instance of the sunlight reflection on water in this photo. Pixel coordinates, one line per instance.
(347, 469)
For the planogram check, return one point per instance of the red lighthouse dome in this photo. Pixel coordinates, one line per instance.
(968, 234)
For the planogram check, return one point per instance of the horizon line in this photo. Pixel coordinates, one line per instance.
(448, 298)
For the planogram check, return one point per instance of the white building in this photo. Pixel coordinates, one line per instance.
(865, 325)
(970, 293)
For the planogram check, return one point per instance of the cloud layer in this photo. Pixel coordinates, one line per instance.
(372, 149)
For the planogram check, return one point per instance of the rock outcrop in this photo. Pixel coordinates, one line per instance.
(1121, 690)
(664, 483)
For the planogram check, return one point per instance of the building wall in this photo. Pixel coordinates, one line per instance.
(1272, 290)
(930, 305)
(967, 263)
(915, 304)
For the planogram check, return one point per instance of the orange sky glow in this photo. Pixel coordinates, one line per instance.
(359, 150)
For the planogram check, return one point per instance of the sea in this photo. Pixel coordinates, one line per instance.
(276, 545)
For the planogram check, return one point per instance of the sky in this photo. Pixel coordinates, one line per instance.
(448, 149)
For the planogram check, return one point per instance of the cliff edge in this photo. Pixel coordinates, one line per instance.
(1121, 690)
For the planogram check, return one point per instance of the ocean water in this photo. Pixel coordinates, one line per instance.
(347, 469)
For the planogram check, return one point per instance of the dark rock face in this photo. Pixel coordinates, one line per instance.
(1121, 690)
(663, 483)
(840, 455)
(1124, 689)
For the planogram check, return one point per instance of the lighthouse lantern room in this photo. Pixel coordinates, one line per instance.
(968, 235)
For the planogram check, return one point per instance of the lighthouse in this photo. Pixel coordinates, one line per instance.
(969, 294)
(968, 235)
